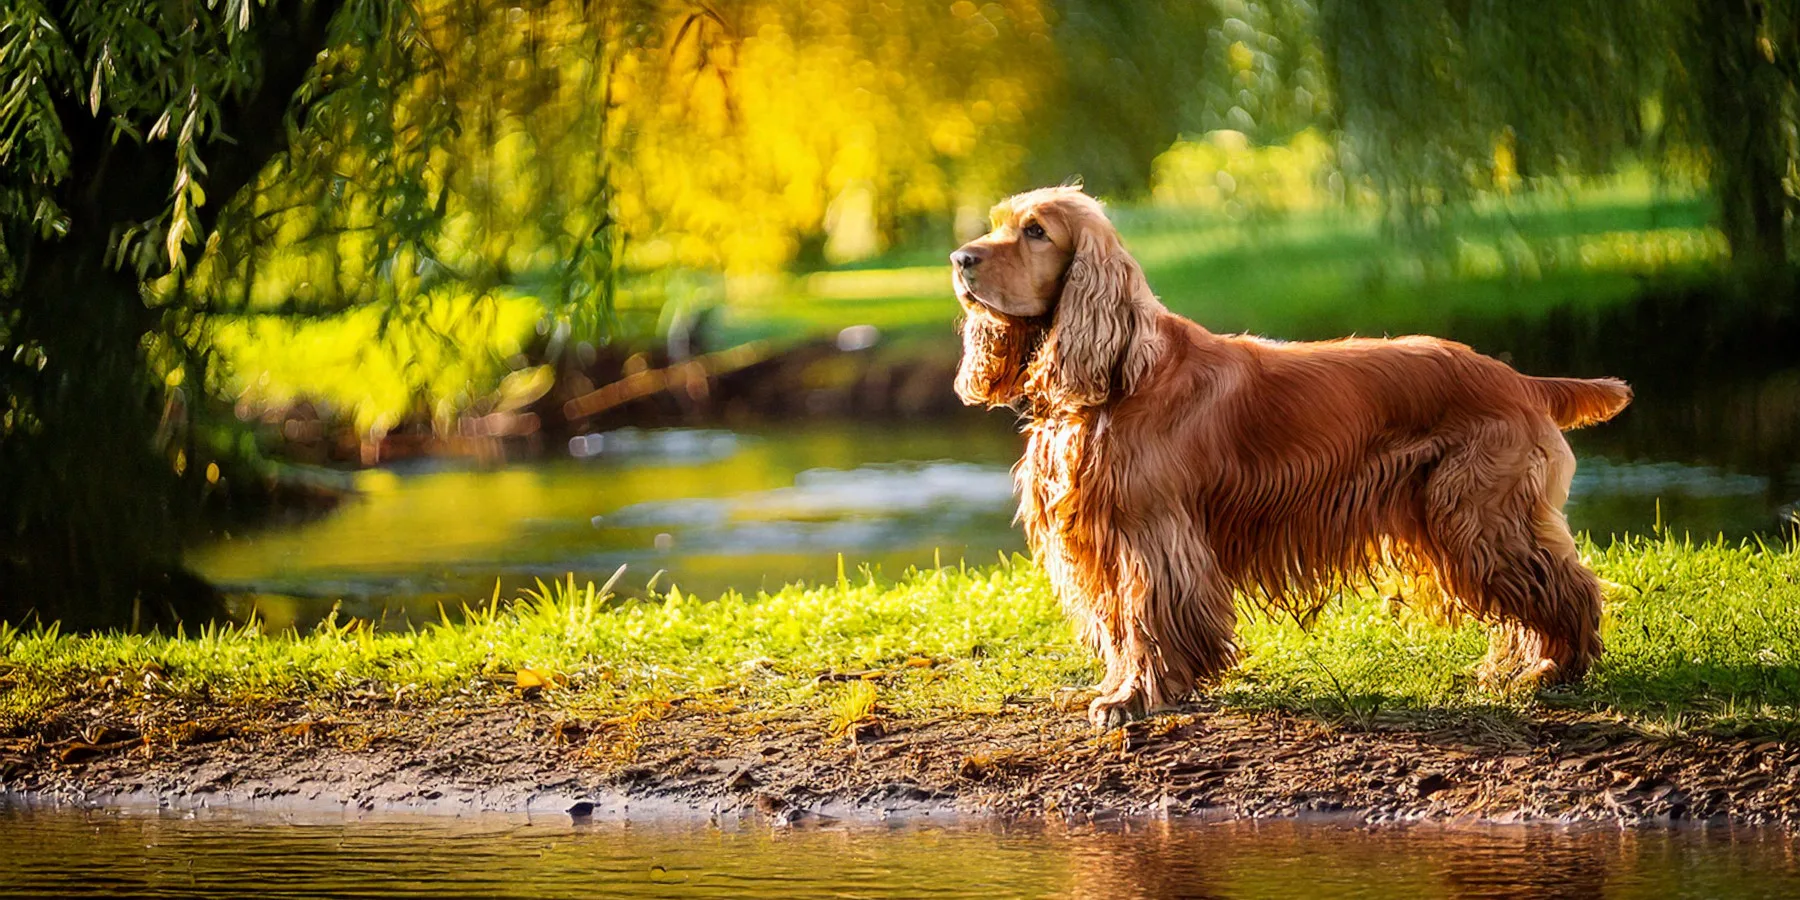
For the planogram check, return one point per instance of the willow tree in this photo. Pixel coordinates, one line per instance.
(168, 161)
(400, 257)
(111, 117)
(748, 136)
(1128, 79)
(1428, 90)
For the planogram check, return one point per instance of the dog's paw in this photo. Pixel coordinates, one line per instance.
(1116, 711)
(1511, 677)
(1072, 699)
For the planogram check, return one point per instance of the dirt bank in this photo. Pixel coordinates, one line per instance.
(1028, 761)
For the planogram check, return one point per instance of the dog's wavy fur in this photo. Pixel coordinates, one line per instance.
(1168, 468)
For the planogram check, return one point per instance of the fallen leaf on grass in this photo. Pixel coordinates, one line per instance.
(1072, 699)
(529, 680)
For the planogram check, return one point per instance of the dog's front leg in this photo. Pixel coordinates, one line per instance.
(1173, 630)
(1116, 674)
(1127, 701)
(1110, 646)
(1094, 615)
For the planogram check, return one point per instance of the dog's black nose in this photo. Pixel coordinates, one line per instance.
(965, 259)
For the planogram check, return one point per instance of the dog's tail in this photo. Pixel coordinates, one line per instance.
(1574, 402)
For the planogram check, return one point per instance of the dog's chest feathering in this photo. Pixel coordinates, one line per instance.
(1065, 502)
(1057, 453)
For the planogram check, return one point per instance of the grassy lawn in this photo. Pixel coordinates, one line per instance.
(1305, 276)
(1699, 638)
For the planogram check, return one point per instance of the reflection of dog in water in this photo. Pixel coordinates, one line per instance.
(1168, 467)
(1297, 859)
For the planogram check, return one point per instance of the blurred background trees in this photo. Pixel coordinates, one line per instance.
(1127, 79)
(1440, 99)
(405, 209)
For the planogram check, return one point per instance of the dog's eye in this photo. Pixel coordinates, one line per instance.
(1035, 232)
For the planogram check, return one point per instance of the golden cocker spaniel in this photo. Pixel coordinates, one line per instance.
(1168, 468)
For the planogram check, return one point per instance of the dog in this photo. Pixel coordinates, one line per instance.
(1168, 469)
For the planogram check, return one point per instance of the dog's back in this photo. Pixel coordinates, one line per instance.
(1413, 382)
(1313, 462)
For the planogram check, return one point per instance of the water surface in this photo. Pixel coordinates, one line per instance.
(73, 853)
(709, 509)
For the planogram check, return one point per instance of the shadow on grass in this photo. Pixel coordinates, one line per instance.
(1720, 700)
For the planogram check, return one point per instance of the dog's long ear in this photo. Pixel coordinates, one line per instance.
(1102, 340)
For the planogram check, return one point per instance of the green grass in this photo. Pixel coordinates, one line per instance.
(1305, 276)
(1699, 637)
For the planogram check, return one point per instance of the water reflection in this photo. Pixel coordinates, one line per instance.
(72, 853)
(892, 490)
(655, 446)
(717, 510)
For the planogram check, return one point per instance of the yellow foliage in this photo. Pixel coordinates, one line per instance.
(835, 116)
(742, 135)
(1224, 172)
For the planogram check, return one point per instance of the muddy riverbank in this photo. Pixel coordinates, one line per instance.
(1031, 760)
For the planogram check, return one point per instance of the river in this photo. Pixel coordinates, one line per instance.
(151, 853)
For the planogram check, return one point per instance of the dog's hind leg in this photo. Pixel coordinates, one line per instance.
(1174, 631)
(1566, 618)
(1500, 544)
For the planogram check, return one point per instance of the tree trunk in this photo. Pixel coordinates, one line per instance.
(93, 505)
(1739, 96)
(92, 510)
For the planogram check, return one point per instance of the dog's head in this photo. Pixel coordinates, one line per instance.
(1055, 310)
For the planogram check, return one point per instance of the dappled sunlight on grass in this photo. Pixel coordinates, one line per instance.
(1697, 636)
